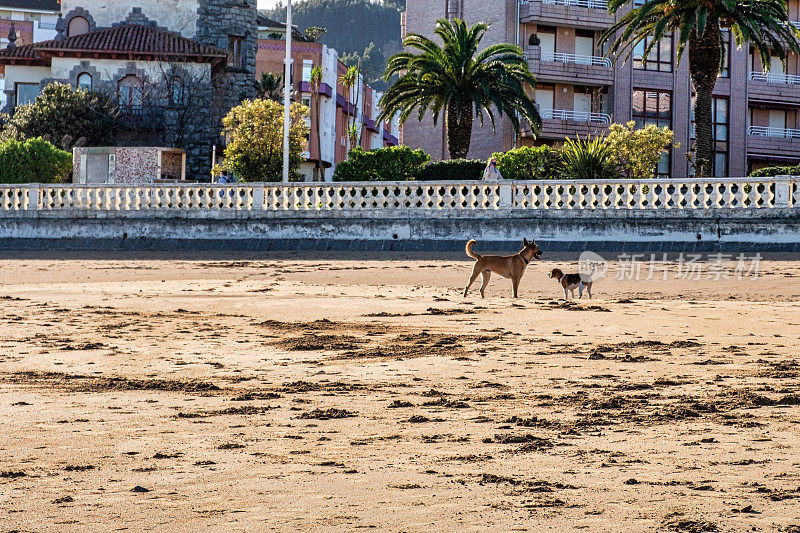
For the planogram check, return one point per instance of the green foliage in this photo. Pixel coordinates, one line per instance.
(395, 163)
(768, 172)
(529, 163)
(453, 169)
(68, 117)
(587, 159)
(270, 86)
(637, 152)
(315, 33)
(377, 36)
(33, 161)
(460, 80)
(255, 146)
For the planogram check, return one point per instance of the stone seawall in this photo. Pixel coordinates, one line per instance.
(768, 231)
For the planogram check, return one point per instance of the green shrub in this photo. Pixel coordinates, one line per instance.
(33, 161)
(452, 169)
(395, 163)
(589, 159)
(529, 163)
(768, 172)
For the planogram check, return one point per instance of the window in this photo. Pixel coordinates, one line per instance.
(654, 107)
(77, 26)
(129, 93)
(544, 97)
(235, 51)
(27, 93)
(547, 39)
(85, 81)
(308, 66)
(724, 72)
(176, 90)
(659, 58)
(719, 122)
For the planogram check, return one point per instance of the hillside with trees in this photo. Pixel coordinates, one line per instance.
(361, 31)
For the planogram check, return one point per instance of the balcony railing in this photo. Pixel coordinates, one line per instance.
(592, 4)
(577, 59)
(577, 116)
(781, 133)
(786, 79)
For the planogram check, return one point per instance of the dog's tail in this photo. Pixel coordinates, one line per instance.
(470, 253)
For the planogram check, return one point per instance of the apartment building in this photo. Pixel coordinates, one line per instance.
(339, 108)
(29, 21)
(580, 92)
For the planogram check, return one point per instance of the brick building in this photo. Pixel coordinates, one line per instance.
(756, 113)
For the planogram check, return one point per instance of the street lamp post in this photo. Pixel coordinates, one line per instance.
(287, 92)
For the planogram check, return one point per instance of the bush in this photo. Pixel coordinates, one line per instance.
(66, 116)
(768, 172)
(589, 159)
(453, 169)
(529, 163)
(33, 161)
(638, 151)
(395, 163)
(255, 147)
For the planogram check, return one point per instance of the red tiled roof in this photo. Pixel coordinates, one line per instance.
(133, 39)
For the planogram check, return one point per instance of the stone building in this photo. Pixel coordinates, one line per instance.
(175, 66)
(579, 92)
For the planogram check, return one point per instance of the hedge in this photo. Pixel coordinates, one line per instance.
(529, 163)
(395, 163)
(454, 169)
(768, 172)
(33, 161)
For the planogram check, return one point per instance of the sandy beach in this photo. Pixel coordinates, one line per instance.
(324, 392)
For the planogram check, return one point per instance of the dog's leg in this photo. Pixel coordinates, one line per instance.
(580, 291)
(566, 294)
(486, 275)
(475, 271)
(589, 290)
(515, 285)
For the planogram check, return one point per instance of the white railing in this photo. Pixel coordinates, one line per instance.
(577, 116)
(786, 79)
(423, 198)
(576, 59)
(592, 4)
(782, 133)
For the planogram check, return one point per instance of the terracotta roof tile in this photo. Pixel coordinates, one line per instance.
(127, 38)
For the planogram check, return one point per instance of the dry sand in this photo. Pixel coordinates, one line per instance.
(304, 393)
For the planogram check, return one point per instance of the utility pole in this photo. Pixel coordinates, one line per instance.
(287, 91)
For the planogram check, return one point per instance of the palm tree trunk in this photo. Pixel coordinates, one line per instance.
(459, 129)
(318, 166)
(704, 61)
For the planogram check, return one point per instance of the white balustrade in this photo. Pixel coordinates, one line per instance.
(769, 77)
(449, 197)
(576, 59)
(783, 133)
(577, 116)
(592, 4)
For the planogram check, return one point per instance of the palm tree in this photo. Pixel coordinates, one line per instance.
(459, 79)
(270, 87)
(315, 82)
(349, 80)
(700, 25)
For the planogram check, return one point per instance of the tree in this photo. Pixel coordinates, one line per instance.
(255, 145)
(315, 82)
(350, 81)
(587, 159)
(33, 161)
(66, 116)
(315, 33)
(270, 86)
(699, 26)
(637, 152)
(461, 81)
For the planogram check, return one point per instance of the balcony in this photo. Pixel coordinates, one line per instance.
(588, 14)
(776, 88)
(560, 123)
(570, 68)
(773, 143)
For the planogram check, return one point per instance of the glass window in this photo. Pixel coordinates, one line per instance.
(85, 81)
(719, 124)
(176, 90)
(308, 66)
(129, 92)
(654, 107)
(659, 58)
(27, 93)
(235, 51)
(726, 56)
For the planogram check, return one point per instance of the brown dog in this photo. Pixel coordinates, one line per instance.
(508, 266)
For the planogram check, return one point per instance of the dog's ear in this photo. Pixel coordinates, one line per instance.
(525, 242)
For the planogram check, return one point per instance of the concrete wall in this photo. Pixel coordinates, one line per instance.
(175, 15)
